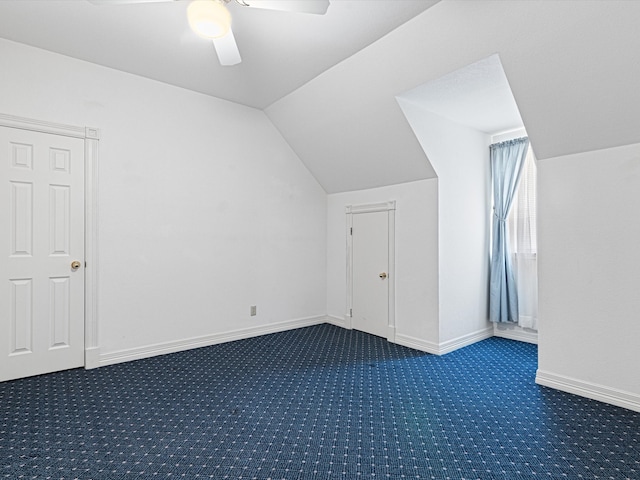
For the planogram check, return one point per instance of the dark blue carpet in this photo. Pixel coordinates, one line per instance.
(313, 403)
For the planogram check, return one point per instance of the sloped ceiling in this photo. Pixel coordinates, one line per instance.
(477, 96)
(280, 50)
(572, 67)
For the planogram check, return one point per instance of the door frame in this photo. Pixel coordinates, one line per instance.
(91, 137)
(390, 208)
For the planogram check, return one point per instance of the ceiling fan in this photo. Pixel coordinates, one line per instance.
(211, 19)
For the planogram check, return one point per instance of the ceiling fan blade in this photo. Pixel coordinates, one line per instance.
(318, 7)
(125, 2)
(227, 50)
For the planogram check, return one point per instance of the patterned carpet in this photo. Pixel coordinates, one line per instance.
(314, 403)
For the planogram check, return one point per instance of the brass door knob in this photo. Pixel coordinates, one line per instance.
(383, 275)
(75, 265)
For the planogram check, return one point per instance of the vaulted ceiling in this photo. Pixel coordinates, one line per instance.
(477, 96)
(572, 67)
(281, 51)
(329, 83)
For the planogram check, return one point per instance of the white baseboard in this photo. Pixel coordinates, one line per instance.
(612, 396)
(338, 321)
(465, 340)
(514, 332)
(391, 333)
(417, 344)
(205, 341)
(444, 347)
(91, 358)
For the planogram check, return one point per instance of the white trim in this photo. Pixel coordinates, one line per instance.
(91, 337)
(465, 340)
(391, 333)
(391, 330)
(152, 350)
(91, 137)
(417, 344)
(513, 332)
(339, 322)
(91, 357)
(601, 393)
(390, 208)
(444, 347)
(371, 207)
(349, 269)
(45, 127)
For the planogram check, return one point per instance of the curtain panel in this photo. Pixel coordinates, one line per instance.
(522, 227)
(507, 160)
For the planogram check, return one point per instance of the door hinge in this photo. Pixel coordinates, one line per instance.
(351, 231)
(351, 312)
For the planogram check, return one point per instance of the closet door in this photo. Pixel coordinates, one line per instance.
(41, 253)
(370, 254)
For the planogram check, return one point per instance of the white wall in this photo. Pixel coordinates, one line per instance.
(442, 239)
(573, 71)
(416, 240)
(204, 208)
(589, 274)
(460, 157)
(556, 54)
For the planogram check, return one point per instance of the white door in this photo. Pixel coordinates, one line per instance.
(370, 289)
(41, 235)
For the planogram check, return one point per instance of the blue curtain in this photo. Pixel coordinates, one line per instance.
(507, 159)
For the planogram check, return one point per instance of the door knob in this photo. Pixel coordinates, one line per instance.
(383, 275)
(75, 265)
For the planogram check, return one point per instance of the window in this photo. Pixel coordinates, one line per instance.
(522, 227)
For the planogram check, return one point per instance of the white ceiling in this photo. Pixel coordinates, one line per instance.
(477, 96)
(572, 67)
(281, 51)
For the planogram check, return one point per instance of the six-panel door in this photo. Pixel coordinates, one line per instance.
(42, 234)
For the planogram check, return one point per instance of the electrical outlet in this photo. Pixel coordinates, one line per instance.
(253, 310)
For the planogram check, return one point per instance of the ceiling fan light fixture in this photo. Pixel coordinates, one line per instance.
(209, 18)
